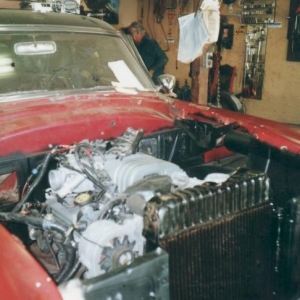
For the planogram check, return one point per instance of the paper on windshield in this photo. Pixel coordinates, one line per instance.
(124, 75)
(193, 35)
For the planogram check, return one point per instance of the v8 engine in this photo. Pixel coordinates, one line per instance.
(101, 188)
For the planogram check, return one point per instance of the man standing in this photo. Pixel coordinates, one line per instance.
(153, 56)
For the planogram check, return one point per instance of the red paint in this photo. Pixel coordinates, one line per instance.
(29, 126)
(270, 132)
(9, 182)
(21, 276)
(216, 154)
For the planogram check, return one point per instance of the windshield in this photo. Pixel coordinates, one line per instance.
(64, 61)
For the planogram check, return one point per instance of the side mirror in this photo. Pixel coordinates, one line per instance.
(167, 84)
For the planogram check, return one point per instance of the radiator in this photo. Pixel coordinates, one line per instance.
(219, 239)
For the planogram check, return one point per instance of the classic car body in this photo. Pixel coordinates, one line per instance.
(117, 191)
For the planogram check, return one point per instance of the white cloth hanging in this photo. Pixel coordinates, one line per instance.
(193, 35)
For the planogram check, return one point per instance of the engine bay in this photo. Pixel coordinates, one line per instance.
(97, 207)
(89, 198)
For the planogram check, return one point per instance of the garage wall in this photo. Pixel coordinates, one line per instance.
(166, 32)
(281, 98)
(127, 12)
(10, 4)
(281, 91)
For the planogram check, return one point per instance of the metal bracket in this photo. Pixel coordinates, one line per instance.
(207, 60)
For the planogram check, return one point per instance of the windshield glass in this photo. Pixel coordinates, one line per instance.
(54, 61)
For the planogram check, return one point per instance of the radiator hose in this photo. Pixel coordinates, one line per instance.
(65, 246)
(37, 222)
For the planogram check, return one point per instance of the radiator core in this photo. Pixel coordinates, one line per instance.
(219, 239)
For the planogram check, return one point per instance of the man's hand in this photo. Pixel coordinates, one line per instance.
(151, 72)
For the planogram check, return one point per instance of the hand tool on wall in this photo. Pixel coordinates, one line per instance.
(159, 10)
(254, 61)
(258, 58)
(257, 13)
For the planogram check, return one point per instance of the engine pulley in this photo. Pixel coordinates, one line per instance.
(106, 245)
(120, 253)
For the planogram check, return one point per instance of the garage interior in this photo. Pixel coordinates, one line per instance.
(247, 243)
(278, 98)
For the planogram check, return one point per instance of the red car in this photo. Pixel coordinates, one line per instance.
(110, 189)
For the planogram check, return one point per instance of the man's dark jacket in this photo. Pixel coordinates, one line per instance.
(153, 56)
